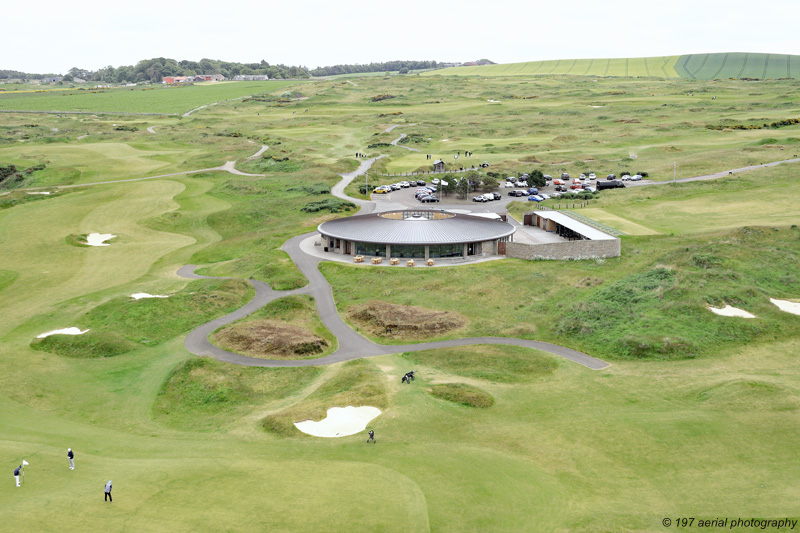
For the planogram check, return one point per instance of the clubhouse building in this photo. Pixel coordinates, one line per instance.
(416, 234)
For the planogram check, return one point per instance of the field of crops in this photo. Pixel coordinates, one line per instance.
(166, 100)
(694, 66)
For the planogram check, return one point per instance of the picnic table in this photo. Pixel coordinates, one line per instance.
(358, 259)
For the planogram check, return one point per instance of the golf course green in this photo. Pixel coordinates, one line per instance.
(697, 414)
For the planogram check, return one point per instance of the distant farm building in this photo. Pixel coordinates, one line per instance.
(438, 166)
(192, 79)
(251, 77)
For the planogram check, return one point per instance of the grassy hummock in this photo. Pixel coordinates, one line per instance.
(463, 394)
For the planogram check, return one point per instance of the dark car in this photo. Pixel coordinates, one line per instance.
(496, 195)
(420, 182)
(561, 188)
(611, 177)
(564, 175)
(429, 199)
(610, 184)
(533, 190)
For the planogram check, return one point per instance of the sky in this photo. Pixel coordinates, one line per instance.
(46, 36)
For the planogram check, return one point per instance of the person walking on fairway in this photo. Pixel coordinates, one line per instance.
(108, 492)
(371, 436)
(16, 474)
(71, 457)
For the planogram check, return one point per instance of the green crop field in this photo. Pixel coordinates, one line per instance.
(693, 66)
(696, 415)
(149, 100)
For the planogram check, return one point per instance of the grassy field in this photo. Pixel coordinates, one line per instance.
(156, 100)
(692, 66)
(696, 416)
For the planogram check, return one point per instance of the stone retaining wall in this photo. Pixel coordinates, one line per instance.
(565, 250)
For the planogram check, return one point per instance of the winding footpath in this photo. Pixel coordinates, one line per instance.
(351, 345)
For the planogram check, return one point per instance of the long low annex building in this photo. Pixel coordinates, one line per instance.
(416, 234)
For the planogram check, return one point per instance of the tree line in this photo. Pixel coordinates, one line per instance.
(153, 70)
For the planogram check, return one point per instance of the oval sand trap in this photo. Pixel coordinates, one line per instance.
(340, 422)
(65, 331)
(98, 239)
(731, 311)
(787, 306)
(140, 295)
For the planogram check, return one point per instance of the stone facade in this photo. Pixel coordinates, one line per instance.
(582, 249)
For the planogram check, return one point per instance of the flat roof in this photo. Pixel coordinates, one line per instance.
(417, 227)
(567, 221)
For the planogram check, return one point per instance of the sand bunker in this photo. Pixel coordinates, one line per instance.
(340, 422)
(596, 106)
(494, 101)
(787, 306)
(98, 239)
(45, 192)
(731, 311)
(140, 295)
(65, 331)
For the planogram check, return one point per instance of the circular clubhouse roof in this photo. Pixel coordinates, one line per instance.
(416, 227)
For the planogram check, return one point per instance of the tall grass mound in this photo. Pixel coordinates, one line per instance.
(268, 339)
(357, 383)
(502, 364)
(404, 321)
(122, 324)
(287, 328)
(462, 394)
(203, 393)
(90, 345)
(77, 239)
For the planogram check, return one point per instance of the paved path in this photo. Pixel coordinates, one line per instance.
(351, 345)
(151, 129)
(714, 176)
(403, 136)
(263, 149)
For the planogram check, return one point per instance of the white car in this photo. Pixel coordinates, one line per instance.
(435, 181)
(636, 177)
(522, 184)
(590, 189)
(582, 176)
(592, 176)
(509, 185)
(405, 184)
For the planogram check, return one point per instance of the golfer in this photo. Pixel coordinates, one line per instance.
(371, 436)
(108, 492)
(71, 457)
(16, 474)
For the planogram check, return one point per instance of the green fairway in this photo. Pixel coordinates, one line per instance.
(695, 416)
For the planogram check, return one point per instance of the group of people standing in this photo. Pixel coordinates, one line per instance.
(71, 457)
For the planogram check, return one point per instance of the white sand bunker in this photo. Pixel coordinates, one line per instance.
(44, 192)
(65, 331)
(140, 295)
(597, 106)
(98, 239)
(340, 422)
(731, 311)
(787, 306)
(494, 101)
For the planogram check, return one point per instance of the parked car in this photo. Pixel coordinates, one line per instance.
(565, 175)
(636, 177)
(420, 182)
(592, 176)
(561, 188)
(545, 196)
(548, 177)
(383, 189)
(435, 181)
(589, 189)
(480, 198)
(522, 184)
(611, 177)
(555, 195)
(535, 198)
(559, 182)
(533, 190)
(512, 179)
(508, 185)
(576, 186)
(626, 177)
(396, 186)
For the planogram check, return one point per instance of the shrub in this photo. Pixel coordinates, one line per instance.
(334, 205)
(381, 97)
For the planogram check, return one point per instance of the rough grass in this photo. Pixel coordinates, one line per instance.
(384, 319)
(77, 239)
(286, 328)
(90, 345)
(502, 364)
(122, 324)
(463, 394)
(7, 277)
(203, 393)
(268, 339)
(357, 383)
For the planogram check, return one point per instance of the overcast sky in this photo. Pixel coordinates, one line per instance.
(46, 36)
